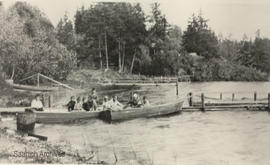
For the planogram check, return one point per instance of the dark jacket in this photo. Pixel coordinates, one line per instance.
(71, 105)
(87, 105)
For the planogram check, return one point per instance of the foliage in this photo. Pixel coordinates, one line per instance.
(199, 38)
(120, 25)
(28, 44)
(217, 69)
(120, 36)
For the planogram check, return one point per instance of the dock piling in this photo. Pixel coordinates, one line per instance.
(233, 97)
(50, 100)
(190, 99)
(220, 96)
(203, 103)
(255, 96)
(176, 88)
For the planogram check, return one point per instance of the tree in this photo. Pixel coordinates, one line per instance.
(66, 33)
(28, 44)
(199, 38)
(261, 54)
(115, 29)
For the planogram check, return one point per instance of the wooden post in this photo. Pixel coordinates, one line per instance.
(26, 121)
(190, 99)
(38, 79)
(255, 96)
(233, 97)
(176, 88)
(44, 99)
(220, 96)
(268, 101)
(50, 100)
(203, 104)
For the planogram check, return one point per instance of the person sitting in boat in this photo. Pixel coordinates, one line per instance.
(134, 101)
(145, 101)
(79, 103)
(115, 104)
(36, 104)
(137, 100)
(94, 93)
(94, 103)
(71, 104)
(106, 103)
(85, 104)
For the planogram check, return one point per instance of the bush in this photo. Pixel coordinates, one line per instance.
(223, 70)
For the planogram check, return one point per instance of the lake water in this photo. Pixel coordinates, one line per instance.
(191, 138)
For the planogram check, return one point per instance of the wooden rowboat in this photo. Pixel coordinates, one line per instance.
(33, 88)
(151, 111)
(63, 117)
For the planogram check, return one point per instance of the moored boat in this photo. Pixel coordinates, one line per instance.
(63, 117)
(33, 88)
(149, 111)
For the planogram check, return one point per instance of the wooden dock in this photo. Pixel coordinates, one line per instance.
(218, 104)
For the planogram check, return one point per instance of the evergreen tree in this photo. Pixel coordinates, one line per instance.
(199, 38)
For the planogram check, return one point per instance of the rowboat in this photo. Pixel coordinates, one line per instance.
(149, 111)
(30, 87)
(34, 88)
(63, 117)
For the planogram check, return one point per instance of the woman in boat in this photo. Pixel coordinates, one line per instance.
(71, 104)
(106, 104)
(79, 103)
(115, 104)
(36, 104)
(87, 105)
(145, 101)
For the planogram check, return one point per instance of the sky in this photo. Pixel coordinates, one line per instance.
(232, 18)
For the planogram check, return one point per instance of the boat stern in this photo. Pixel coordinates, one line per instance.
(179, 106)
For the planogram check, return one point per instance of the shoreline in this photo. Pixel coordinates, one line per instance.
(20, 148)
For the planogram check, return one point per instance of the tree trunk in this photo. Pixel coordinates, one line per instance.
(132, 63)
(124, 52)
(13, 71)
(99, 48)
(106, 51)
(119, 56)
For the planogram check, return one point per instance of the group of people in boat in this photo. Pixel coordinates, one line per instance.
(92, 103)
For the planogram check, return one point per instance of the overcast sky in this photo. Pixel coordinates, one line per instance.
(234, 17)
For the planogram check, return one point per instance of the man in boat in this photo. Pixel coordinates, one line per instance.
(94, 93)
(145, 101)
(94, 103)
(36, 104)
(71, 104)
(115, 104)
